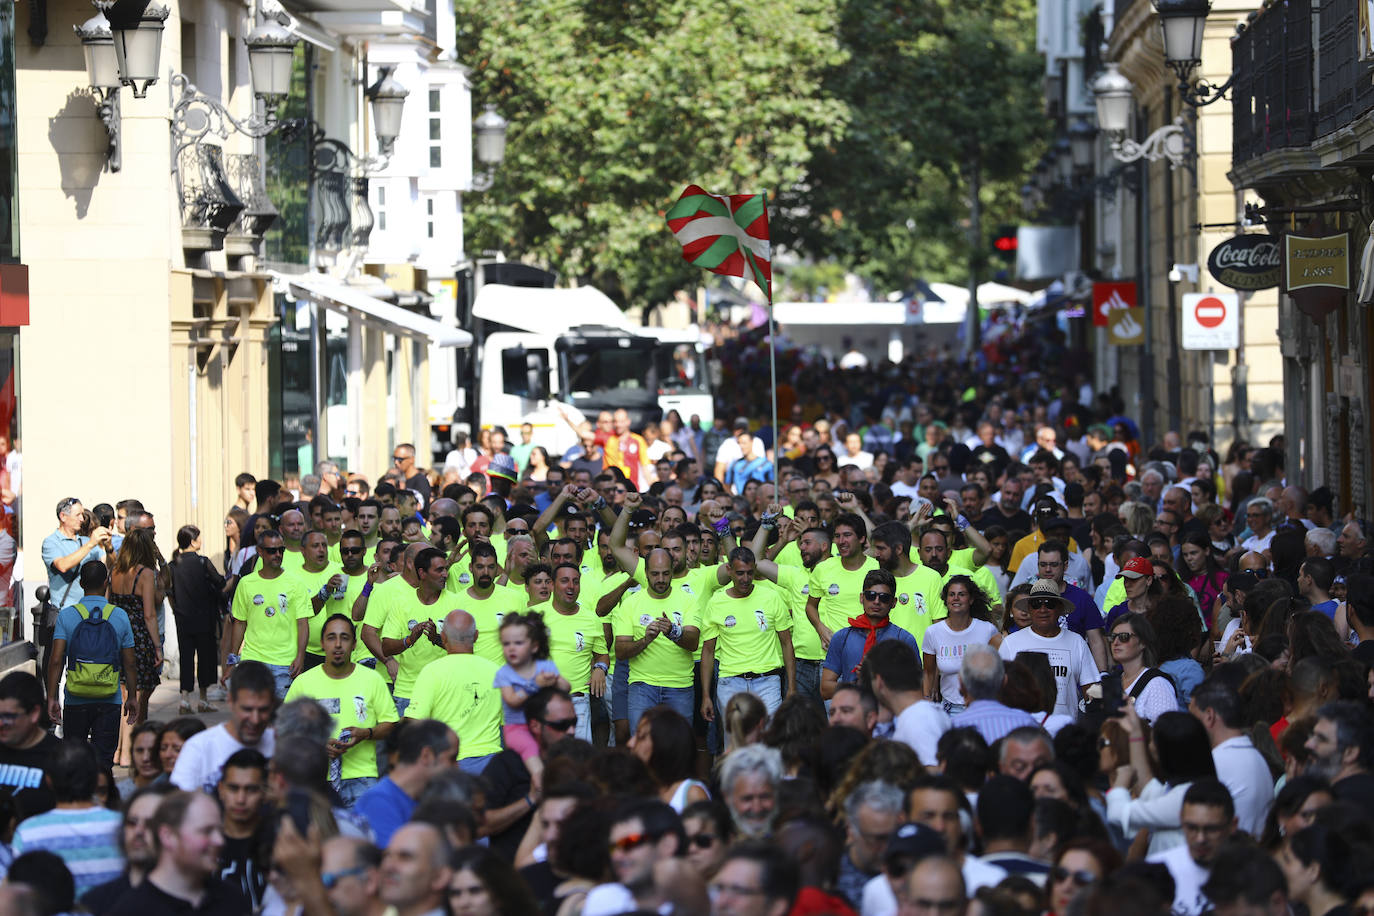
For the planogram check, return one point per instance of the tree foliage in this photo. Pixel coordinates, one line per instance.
(856, 114)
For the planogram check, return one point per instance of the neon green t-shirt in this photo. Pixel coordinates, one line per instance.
(488, 612)
(794, 584)
(839, 590)
(574, 639)
(344, 606)
(292, 560)
(662, 663)
(595, 585)
(458, 691)
(404, 610)
(312, 582)
(918, 602)
(360, 700)
(270, 609)
(746, 630)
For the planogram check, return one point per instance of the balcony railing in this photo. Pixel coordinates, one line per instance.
(1344, 87)
(1272, 63)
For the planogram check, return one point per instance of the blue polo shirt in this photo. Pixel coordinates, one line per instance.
(386, 808)
(56, 546)
(69, 617)
(846, 650)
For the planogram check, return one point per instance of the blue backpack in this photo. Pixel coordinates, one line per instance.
(92, 655)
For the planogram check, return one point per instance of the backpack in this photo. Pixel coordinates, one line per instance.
(92, 655)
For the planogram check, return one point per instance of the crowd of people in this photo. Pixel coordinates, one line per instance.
(954, 640)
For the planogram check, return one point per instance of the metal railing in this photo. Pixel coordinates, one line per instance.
(1271, 59)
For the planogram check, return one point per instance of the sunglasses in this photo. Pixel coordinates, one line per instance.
(331, 878)
(1121, 637)
(628, 843)
(271, 550)
(1080, 878)
(559, 725)
(880, 597)
(702, 840)
(349, 551)
(1042, 602)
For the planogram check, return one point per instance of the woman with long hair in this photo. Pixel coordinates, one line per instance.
(826, 469)
(664, 741)
(484, 884)
(132, 588)
(968, 622)
(1132, 645)
(197, 599)
(233, 532)
(1295, 808)
(1080, 864)
(1178, 635)
(1197, 567)
(745, 719)
(1147, 793)
(538, 467)
(1319, 864)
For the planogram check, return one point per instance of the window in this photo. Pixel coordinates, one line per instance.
(436, 129)
(429, 217)
(381, 207)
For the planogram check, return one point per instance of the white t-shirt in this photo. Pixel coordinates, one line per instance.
(202, 757)
(863, 461)
(1070, 662)
(1156, 698)
(900, 489)
(1189, 900)
(947, 647)
(609, 900)
(1258, 544)
(919, 727)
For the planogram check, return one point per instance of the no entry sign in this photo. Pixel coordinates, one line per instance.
(1211, 321)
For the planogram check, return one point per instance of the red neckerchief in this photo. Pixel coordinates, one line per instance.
(863, 623)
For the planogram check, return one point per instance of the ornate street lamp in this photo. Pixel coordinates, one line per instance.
(271, 54)
(102, 74)
(1082, 139)
(136, 27)
(1182, 23)
(1114, 96)
(490, 131)
(388, 100)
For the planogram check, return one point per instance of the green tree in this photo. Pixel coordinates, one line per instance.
(614, 108)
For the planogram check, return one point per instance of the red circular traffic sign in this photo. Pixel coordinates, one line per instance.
(1210, 312)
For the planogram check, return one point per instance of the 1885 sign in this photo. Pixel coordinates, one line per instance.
(1247, 262)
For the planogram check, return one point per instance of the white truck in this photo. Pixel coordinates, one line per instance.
(541, 353)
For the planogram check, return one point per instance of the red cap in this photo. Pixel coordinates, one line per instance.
(1138, 567)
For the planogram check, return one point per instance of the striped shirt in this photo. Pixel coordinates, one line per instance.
(87, 839)
(992, 719)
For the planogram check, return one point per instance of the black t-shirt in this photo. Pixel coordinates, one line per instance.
(419, 483)
(1357, 790)
(221, 899)
(22, 772)
(1018, 521)
(542, 882)
(244, 863)
(101, 899)
(508, 781)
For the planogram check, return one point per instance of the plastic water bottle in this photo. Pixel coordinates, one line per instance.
(336, 763)
(343, 586)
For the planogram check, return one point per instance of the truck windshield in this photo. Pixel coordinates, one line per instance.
(604, 374)
(680, 367)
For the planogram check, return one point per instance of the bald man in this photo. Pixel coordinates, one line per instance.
(458, 690)
(935, 885)
(292, 528)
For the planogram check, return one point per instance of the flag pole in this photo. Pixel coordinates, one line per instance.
(767, 288)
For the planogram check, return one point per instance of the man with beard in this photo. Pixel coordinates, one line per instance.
(836, 582)
(917, 587)
(321, 579)
(487, 602)
(657, 630)
(271, 614)
(750, 630)
(137, 845)
(352, 549)
(577, 643)
(749, 779)
(408, 617)
(793, 582)
(357, 698)
(1342, 747)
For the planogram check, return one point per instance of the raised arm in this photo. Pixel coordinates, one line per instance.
(539, 531)
(981, 549)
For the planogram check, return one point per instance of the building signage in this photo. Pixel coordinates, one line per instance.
(1246, 262)
(1126, 327)
(1310, 262)
(1108, 297)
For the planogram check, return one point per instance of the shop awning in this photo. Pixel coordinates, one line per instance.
(356, 303)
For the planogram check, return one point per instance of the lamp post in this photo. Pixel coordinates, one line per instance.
(490, 131)
(1182, 23)
(1114, 96)
(136, 28)
(102, 74)
(387, 98)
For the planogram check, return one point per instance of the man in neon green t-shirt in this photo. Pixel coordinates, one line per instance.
(657, 629)
(459, 690)
(409, 633)
(360, 703)
(271, 617)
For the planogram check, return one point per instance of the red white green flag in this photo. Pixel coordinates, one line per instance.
(726, 234)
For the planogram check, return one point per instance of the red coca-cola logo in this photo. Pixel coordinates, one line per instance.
(1247, 262)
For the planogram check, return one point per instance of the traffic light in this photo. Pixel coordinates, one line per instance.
(1004, 243)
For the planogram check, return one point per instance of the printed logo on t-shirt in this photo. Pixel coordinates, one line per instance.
(259, 600)
(904, 598)
(464, 578)
(270, 611)
(331, 705)
(360, 709)
(834, 589)
(806, 589)
(579, 641)
(645, 620)
(411, 625)
(761, 618)
(677, 618)
(729, 621)
(687, 589)
(282, 601)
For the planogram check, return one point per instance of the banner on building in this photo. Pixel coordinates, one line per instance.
(1110, 297)
(1247, 262)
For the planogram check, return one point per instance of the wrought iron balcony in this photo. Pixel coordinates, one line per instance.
(1272, 64)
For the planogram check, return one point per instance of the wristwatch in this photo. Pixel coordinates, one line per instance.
(605, 668)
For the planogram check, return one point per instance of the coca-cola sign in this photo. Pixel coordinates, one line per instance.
(1247, 262)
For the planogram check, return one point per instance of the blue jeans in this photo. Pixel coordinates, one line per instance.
(402, 703)
(619, 693)
(768, 689)
(475, 765)
(97, 721)
(282, 675)
(809, 678)
(643, 696)
(350, 790)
